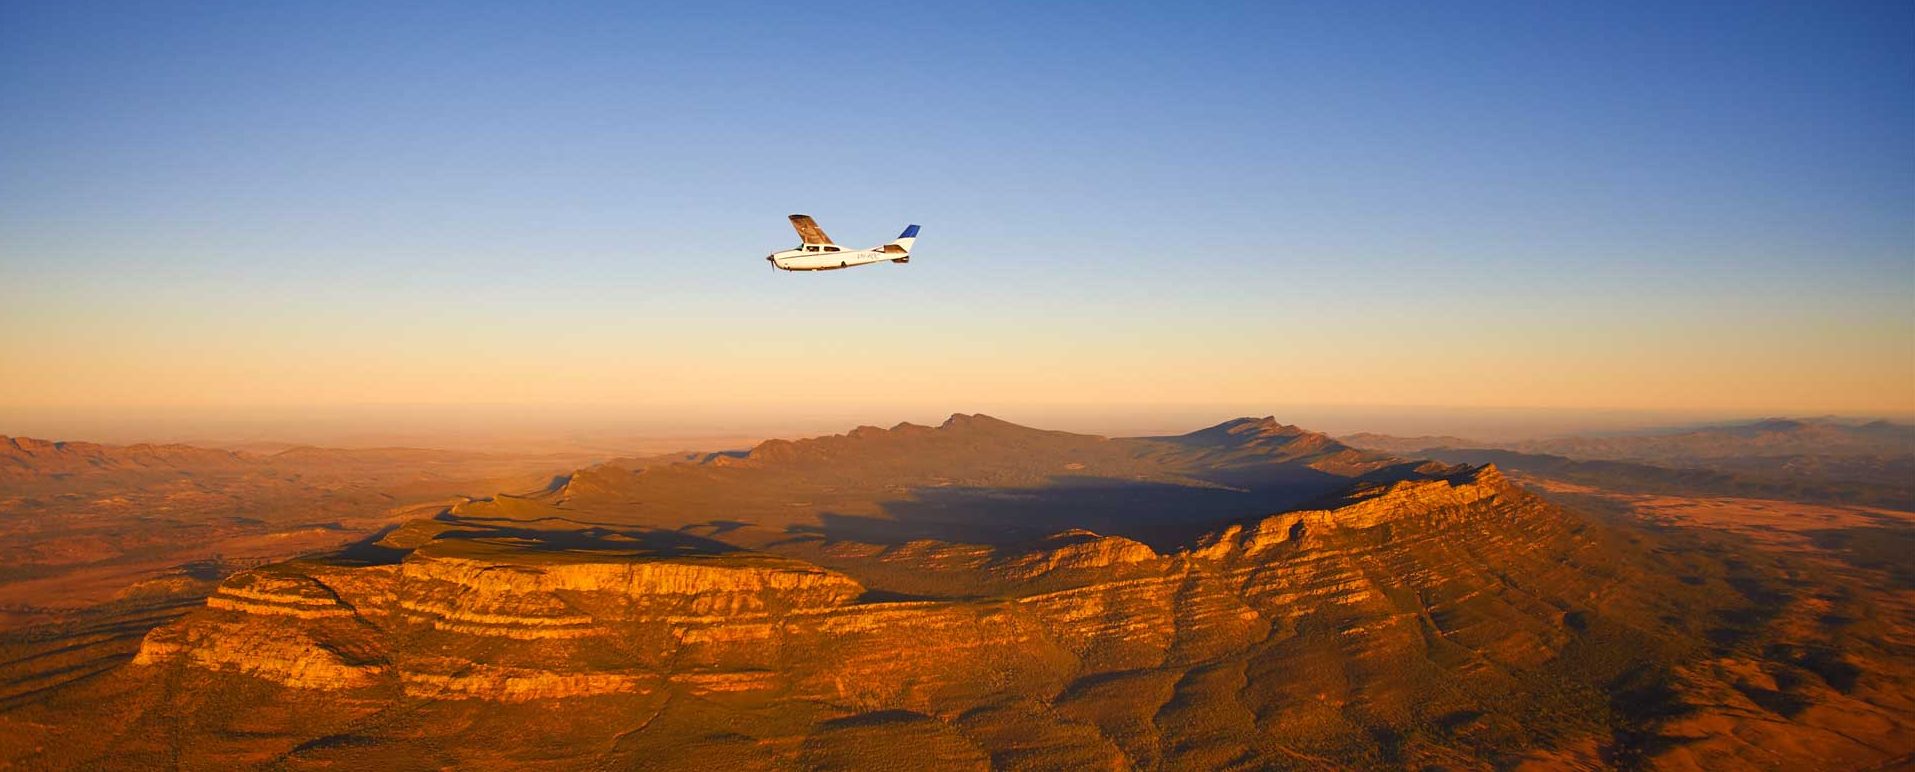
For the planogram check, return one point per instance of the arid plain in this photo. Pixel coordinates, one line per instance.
(969, 595)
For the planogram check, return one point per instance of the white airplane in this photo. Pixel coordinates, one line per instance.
(817, 253)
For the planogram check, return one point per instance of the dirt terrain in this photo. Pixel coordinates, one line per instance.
(980, 594)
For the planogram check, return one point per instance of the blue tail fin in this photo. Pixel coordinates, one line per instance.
(902, 245)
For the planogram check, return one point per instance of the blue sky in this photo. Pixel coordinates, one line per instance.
(1671, 205)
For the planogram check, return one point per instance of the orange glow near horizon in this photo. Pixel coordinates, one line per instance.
(210, 351)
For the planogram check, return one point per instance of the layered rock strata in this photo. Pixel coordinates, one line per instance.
(472, 614)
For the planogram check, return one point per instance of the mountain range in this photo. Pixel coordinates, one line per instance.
(1813, 459)
(986, 595)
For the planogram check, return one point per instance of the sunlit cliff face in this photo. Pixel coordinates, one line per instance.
(715, 619)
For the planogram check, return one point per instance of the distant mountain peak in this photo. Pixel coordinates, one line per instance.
(1248, 423)
(961, 421)
(1247, 430)
(30, 455)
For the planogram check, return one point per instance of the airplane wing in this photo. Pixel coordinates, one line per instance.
(808, 229)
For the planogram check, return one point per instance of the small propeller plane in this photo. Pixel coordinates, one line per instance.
(817, 253)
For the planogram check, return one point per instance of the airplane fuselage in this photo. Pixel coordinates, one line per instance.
(816, 252)
(827, 257)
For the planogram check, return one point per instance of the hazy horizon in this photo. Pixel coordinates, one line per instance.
(612, 429)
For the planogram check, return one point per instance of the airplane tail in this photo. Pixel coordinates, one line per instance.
(902, 245)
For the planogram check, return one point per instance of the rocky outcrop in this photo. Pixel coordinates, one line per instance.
(572, 621)
(278, 591)
(1364, 507)
(499, 590)
(1077, 550)
(345, 620)
(334, 655)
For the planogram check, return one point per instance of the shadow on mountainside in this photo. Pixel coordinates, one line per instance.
(563, 536)
(597, 538)
(1163, 515)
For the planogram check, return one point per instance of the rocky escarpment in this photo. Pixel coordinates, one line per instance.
(322, 626)
(1077, 550)
(477, 611)
(1366, 506)
(1429, 617)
